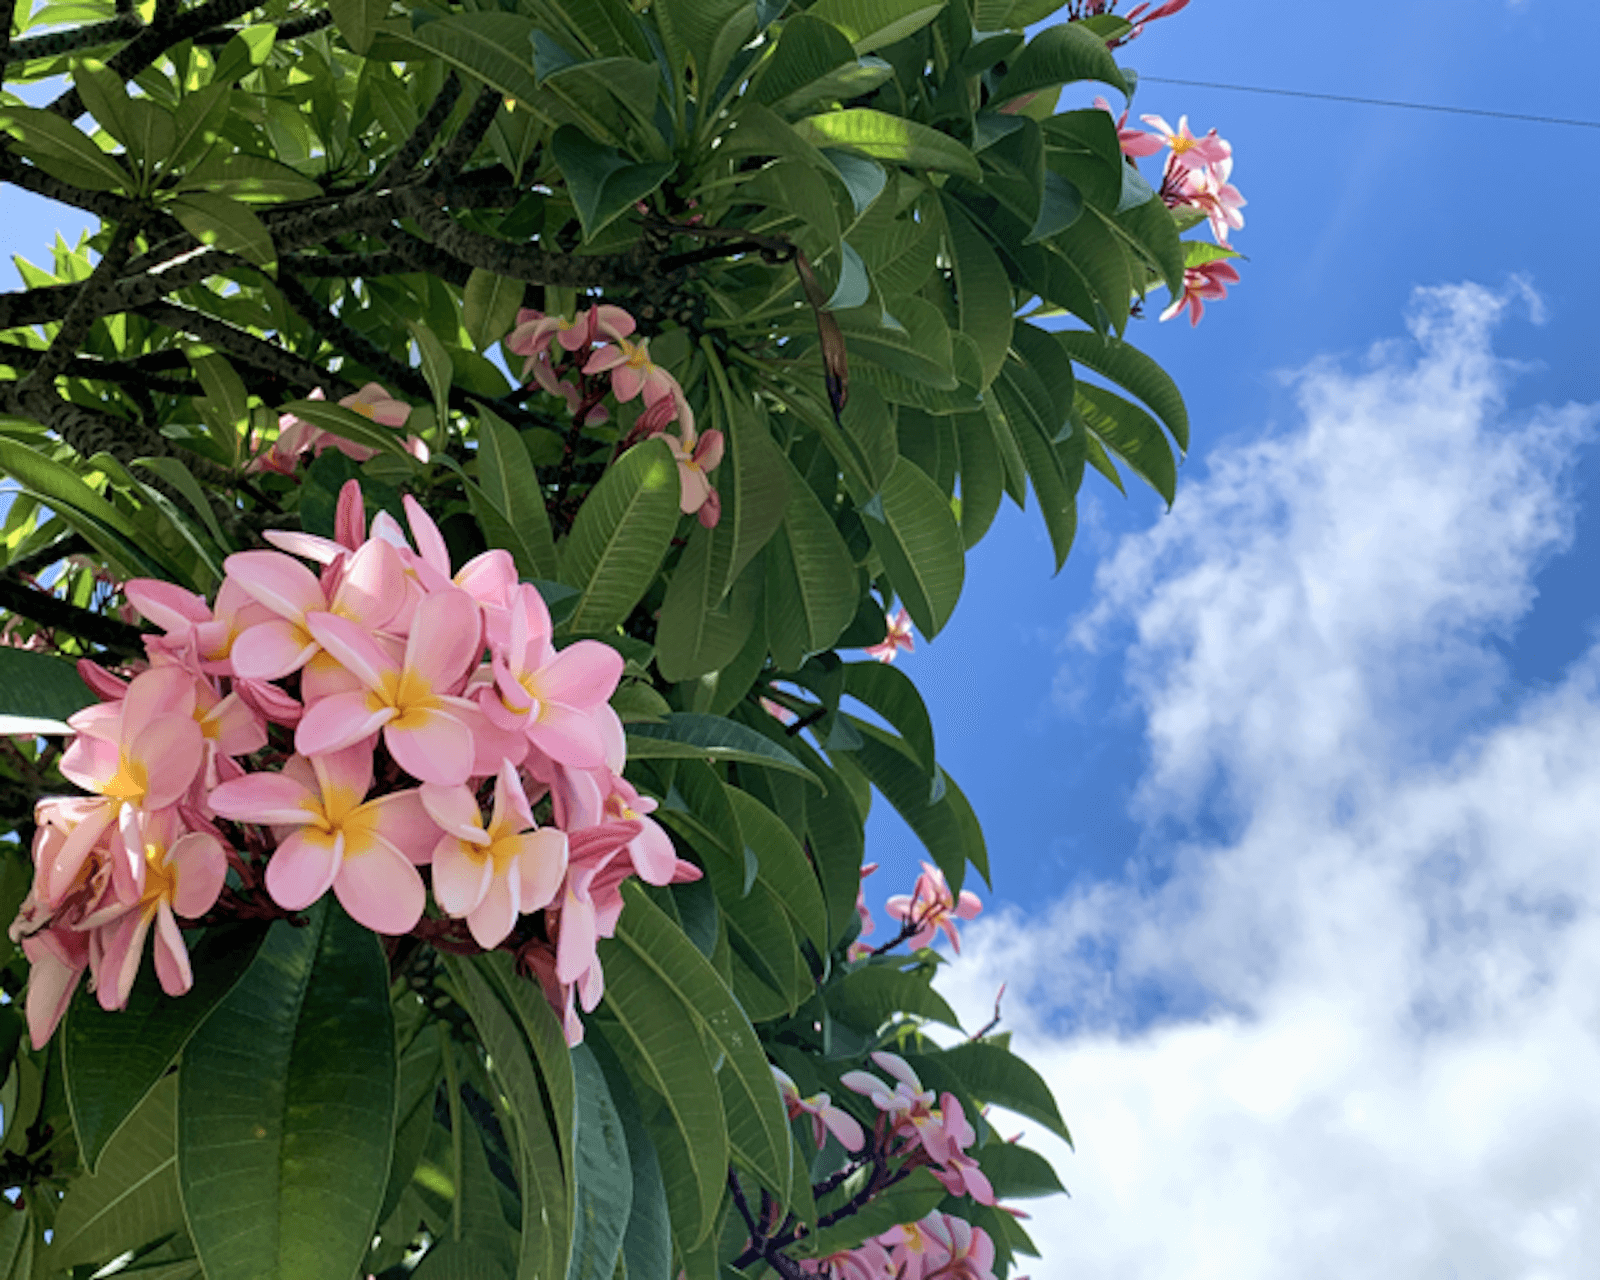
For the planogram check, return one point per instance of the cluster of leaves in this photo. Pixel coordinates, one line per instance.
(843, 224)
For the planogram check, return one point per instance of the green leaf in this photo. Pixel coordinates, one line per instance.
(891, 693)
(604, 1175)
(937, 822)
(248, 177)
(114, 1059)
(225, 224)
(996, 1075)
(783, 865)
(133, 1200)
(460, 1260)
(1133, 371)
(869, 997)
(871, 24)
(287, 1105)
(647, 1245)
(753, 483)
(697, 631)
(807, 50)
(983, 296)
(758, 1128)
(1132, 434)
(705, 34)
(620, 537)
(349, 425)
(490, 307)
(888, 137)
(177, 475)
(493, 46)
(920, 544)
(916, 344)
(906, 1201)
(1058, 55)
(664, 1049)
(509, 482)
(112, 532)
(358, 20)
(811, 582)
(602, 181)
(61, 150)
(1016, 1172)
(437, 368)
(40, 685)
(535, 1115)
(687, 735)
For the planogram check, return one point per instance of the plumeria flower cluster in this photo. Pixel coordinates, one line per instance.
(1196, 176)
(938, 1247)
(1141, 15)
(348, 715)
(930, 909)
(594, 354)
(922, 1127)
(296, 437)
(898, 637)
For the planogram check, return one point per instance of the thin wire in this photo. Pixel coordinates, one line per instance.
(1377, 102)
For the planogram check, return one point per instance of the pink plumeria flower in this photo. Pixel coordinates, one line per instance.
(414, 701)
(554, 697)
(945, 1137)
(898, 637)
(862, 911)
(632, 371)
(368, 591)
(490, 577)
(57, 956)
(184, 873)
(193, 625)
(1188, 151)
(373, 402)
(366, 851)
(141, 754)
(932, 908)
(590, 906)
(943, 1246)
(696, 455)
(1134, 142)
(1209, 190)
(491, 875)
(869, 1260)
(825, 1117)
(906, 1098)
(1206, 283)
(916, 1250)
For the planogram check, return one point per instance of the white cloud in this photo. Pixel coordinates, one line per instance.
(1359, 1033)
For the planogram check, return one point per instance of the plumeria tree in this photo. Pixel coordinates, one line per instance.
(464, 505)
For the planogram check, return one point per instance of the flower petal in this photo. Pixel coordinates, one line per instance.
(495, 916)
(567, 736)
(336, 722)
(172, 957)
(303, 869)
(271, 650)
(272, 799)
(433, 747)
(401, 819)
(581, 675)
(353, 646)
(278, 581)
(381, 889)
(459, 879)
(540, 864)
(201, 867)
(446, 639)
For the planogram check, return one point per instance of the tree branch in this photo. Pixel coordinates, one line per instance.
(84, 311)
(515, 262)
(299, 373)
(122, 372)
(460, 148)
(48, 611)
(74, 544)
(416, 146)
(292, 29)
(56, 43)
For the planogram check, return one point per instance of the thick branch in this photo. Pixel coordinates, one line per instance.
(49, 611)
(293, 29)
(124, 373)
(84, 311)
(299, 373)
(416, 146)
(459, 149)
(56, 43)
(341, 337)
(515, 262)
(74, 544)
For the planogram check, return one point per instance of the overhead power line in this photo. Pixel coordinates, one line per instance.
(1376, 102)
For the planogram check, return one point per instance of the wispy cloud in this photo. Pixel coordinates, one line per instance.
(1359, 1033)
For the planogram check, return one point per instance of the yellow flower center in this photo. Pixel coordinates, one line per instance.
(410, 695)
(160, 880)
(130, 781)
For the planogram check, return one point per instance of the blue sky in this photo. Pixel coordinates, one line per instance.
(1291, 793)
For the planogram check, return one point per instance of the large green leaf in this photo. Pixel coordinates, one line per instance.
(287, 1105)
(811, 580)
(893, 695)
(983, 297)
(888, 137)
(604, 1175)
(1058, 55)
(660, 1043)
(915, 533)
(226, 224)
(698, 631)
(870, 996)
(508, 479)
(603, 182)
(1017, 1172)
(870, 24)
(620, 537)
(937, 822)
(113, 1060)
(58, 148)
(916, 345)
(1132, 434)
(758, 1128)
(491, 45)
(906, 1201)
(1133, 371)
(705, 34)
(783, 865)
(133, 1200)
(543, 1177)
(807, 50)
(754, 487)
(349, 425)
(647, 1245)
(39, 685)
(358, 20)
(692, 735)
